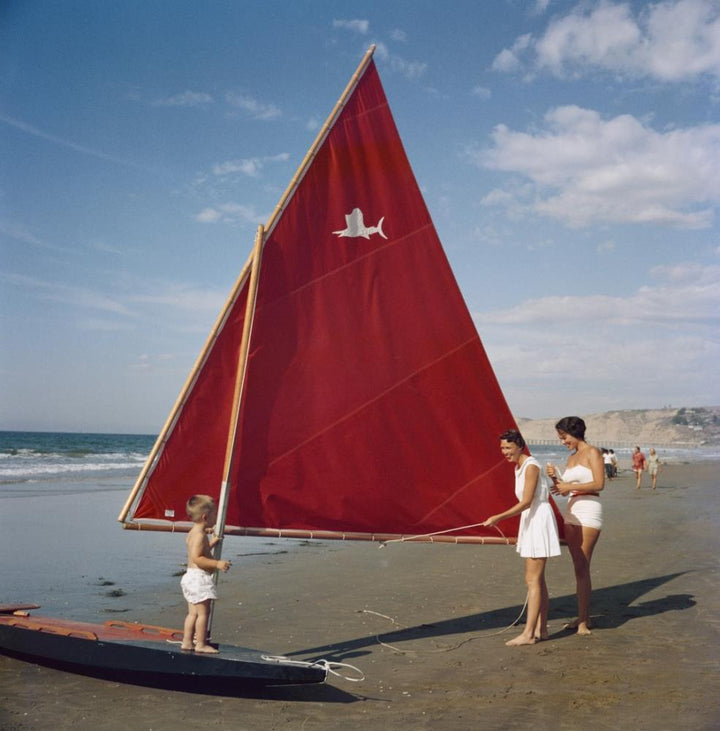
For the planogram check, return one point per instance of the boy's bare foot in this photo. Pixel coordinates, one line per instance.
(186, 649)
(521, 640)
(207, 649)
(583, 629)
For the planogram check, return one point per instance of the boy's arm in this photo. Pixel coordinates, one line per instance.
(197, 542)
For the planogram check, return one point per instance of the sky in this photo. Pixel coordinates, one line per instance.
(568, 152)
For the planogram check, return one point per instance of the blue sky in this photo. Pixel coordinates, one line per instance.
(569, 154)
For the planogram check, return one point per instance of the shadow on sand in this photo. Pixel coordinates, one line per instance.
(611, 608)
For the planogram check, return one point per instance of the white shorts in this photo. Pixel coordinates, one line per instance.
(198, 586)
(584, 510)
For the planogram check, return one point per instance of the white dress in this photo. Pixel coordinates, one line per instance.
(538, 534)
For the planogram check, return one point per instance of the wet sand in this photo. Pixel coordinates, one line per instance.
(427, 626)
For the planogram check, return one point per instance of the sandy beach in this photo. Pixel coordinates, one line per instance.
(427, 624)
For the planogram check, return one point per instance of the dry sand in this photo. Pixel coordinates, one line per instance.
(651, 663)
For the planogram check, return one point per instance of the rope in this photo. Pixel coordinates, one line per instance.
(328, 665)
(405, 539)
(443, 649)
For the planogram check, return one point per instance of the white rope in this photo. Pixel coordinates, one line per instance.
(443, 649)
(328, 665)
(406, 539)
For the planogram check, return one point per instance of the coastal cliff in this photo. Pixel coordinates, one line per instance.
(698, 426)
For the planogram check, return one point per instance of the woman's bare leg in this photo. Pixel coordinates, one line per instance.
(581, 542)
(534, 574)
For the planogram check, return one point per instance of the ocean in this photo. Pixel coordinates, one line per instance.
(61, 543)
(63, 548)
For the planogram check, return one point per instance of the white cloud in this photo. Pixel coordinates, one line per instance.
(20, 233)
(508, 60)
(482, 92)
(669, 41)
(604, 352)
(251, 167)
(586, 169)
(410, 69)
(185, 99)
(356, 26)
(256, 109)
(69, 144)
(230, 213)
(81, 297)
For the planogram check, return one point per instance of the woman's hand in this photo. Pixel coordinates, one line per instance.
(562, 488)
(491, 522)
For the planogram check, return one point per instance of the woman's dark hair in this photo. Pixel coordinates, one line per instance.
(572, 425)
(514, 436)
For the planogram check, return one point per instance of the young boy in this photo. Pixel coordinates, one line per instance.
(197, 583)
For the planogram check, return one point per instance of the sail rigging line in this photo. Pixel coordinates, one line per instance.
(425, 536)
(319, 140)
(177, 408)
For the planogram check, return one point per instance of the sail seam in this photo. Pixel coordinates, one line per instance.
(348, 265)
(377, 398)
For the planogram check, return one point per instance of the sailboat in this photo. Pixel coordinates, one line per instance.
(344, 392)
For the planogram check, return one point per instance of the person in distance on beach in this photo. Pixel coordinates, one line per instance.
(538, 535)
(197, 582)
(639, 464)
(653, 463)
(582, 480)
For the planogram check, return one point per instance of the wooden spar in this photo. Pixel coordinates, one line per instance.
(310, 155)
(327, 535)
(237, 402)
(239, 383)
(189, 383)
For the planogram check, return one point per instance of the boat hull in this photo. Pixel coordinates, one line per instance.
(146, 655)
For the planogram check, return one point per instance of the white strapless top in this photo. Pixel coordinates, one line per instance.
(579, 474)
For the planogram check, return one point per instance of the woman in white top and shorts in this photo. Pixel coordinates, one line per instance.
(583, 479)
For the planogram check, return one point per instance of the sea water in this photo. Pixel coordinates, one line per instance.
(61, 545)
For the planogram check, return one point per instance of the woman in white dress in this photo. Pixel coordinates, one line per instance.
(538, 534)
(581, 482)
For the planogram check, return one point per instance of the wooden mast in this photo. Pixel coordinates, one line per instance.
(239, 384)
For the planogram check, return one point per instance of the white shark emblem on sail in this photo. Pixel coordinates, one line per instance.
(355, 226)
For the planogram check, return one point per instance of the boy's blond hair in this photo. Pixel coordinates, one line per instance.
(197, 505)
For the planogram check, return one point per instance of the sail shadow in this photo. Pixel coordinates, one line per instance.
(611, 602)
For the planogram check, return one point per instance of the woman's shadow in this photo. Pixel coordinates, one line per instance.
(611, 609)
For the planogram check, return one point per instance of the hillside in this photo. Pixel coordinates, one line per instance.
(651, 427)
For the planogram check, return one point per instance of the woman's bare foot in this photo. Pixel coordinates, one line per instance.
(543, 636)
(521, 640)
(186, 649)
(207, 649)
(583, 628)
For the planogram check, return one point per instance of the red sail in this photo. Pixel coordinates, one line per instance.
(369, 404)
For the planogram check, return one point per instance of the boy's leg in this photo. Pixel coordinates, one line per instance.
(203, 612)
(189, 627)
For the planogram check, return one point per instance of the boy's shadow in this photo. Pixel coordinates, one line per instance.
(612, 603)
